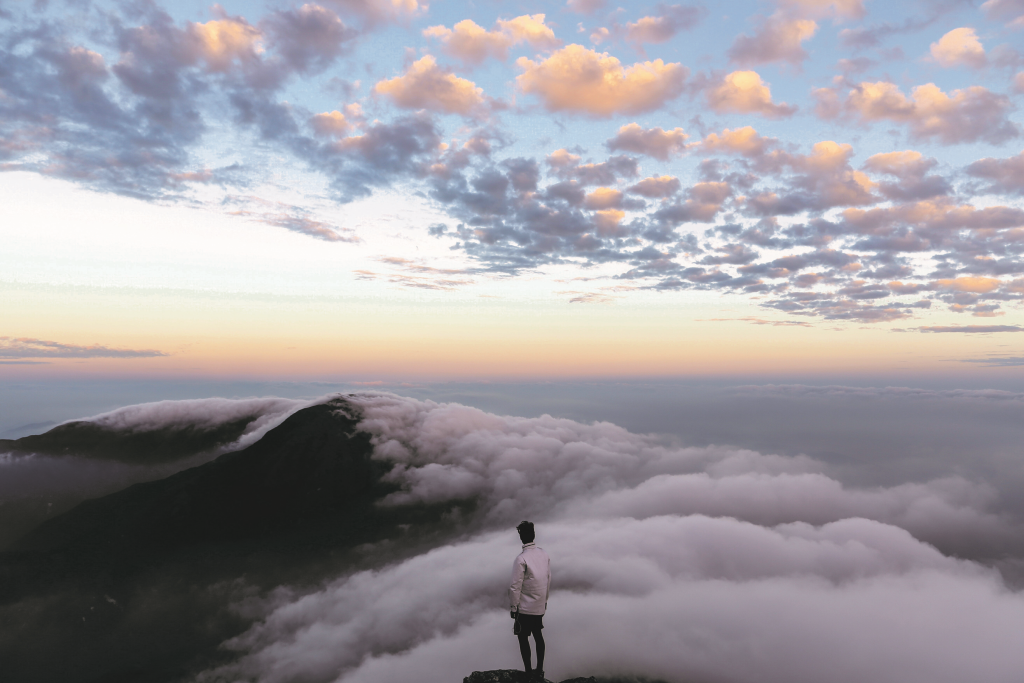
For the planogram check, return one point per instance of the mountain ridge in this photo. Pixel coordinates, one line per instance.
(300, 505)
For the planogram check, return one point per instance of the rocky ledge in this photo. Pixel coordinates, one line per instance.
(514, 676)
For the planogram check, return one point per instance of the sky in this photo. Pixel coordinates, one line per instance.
(386, 190)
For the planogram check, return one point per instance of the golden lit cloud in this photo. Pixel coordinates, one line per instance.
(974, 285)
(959, 47)
(743, 141)
(744, 92)
(329, 123)
(973, 113)
(473, 44)
(577, 79)
(425, 86)
(221, 41)
(607, 222)
(603, 198)
(657, 187)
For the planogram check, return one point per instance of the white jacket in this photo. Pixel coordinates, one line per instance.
(531, 581)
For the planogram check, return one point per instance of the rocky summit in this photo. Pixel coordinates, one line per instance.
(516, 676)
(502, 676)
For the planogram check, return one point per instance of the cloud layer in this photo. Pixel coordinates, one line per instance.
(793, 563)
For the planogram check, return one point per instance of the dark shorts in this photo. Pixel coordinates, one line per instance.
(531, 624)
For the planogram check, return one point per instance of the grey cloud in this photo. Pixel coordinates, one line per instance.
(778, 38)
(872, 36)
(25, 347)
(310, 38)
(134, 126)
(1003, 9)
(668, 20)
(1004, 175)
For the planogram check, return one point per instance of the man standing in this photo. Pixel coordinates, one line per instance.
(531, 581)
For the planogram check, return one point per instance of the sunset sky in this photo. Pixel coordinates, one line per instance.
(382, 190)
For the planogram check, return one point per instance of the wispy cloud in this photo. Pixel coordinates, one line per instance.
(761, 321)
(997, 361)
(972, 329)
(24, 347)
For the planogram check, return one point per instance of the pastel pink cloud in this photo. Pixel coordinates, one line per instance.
(577, 79)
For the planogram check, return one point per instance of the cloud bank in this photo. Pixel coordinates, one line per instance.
(683, 564)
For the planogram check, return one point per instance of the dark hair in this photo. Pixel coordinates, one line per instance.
(526, 533)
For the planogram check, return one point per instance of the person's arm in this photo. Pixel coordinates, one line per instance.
(515, 591)
(547, 593)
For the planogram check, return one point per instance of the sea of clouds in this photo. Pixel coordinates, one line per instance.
(686, 564)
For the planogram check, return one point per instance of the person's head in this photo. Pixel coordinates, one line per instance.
(525, 530)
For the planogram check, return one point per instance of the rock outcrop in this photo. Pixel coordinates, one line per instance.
(515, 676)
(502, 676)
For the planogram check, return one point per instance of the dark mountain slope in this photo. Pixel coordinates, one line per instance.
(48, 474)
(314, 470)
(139, 584)
(151, 446)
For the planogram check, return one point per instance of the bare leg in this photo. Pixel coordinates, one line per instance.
(524, 650)
(539, 637)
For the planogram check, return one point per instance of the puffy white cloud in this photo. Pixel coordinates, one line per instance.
(744, 92)
(577, 79)
(968, 115)
(473, 44)
(425, 85)
(905, 164)
(959, 47)
(530, 29)
(745, 141)
(222, 41)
